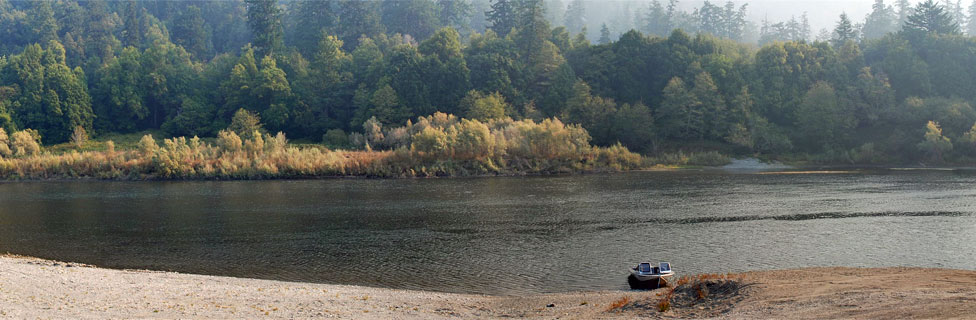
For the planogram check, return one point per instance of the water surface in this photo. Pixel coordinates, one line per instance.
(516, 235)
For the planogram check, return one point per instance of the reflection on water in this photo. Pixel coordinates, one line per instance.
(498, 235)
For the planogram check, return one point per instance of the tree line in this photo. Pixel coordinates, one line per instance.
(898, 87)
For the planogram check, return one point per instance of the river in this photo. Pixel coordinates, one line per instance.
(501, 235)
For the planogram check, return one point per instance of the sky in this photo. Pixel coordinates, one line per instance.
(821, 14)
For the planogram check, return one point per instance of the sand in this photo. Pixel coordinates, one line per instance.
(36, 288)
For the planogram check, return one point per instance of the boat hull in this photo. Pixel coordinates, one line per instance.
(651, 277)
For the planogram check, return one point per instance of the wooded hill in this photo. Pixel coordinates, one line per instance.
(898, 87)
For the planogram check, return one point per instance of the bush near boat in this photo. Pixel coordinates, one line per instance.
(436, 145)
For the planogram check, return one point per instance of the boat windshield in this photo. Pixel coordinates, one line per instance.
(644, 267)
(665, 267)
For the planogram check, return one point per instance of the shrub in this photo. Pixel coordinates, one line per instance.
(483, 107)
(439, 145)
(25, 143)
(228, 141)
(245, 124)
(431, 141)
(336, 138)
(470, 139)
(710, 158)
(147, 145)
(79, 136)
(373, 131)
(275, 143)
(664, 304)
(357, 140)
(255, 145)
(618, 304)
(4, 144)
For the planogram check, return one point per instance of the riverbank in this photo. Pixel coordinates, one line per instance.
(36, 288)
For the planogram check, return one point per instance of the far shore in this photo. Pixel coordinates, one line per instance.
(37, 288)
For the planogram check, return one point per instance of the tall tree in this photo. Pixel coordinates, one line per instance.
(455, 13)
(53, 98)
(132, 24)
(957, 12)
(971, 21)
(680, 113)
(710, 19)
(904, 9)
(359, 18)
(634, 126)
(118, 93)
(935, 144)
(43, 24)
(555, 11)
(329, 84)
(931, 17)
(843, 32)
(503, 16)
(823, 121)
(190, 32)
(604, 35)
(417, 18)
(879, 22)
(734, 21)
(447, 72)
(264, 19)
(656, 22)
(575, 16)
(312, 19)
(592, 112)
(101, 42)
(712, 107)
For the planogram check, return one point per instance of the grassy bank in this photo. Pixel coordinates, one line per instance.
(438, 145)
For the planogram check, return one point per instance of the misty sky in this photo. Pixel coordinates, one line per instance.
(822, 13)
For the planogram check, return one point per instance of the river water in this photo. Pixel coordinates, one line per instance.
(510, 235)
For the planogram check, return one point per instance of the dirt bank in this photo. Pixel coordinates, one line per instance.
(36, 288)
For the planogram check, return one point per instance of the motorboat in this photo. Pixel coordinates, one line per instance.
(647, 272)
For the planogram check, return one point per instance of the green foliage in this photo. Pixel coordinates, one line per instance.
(935, 145)
(593, 113)
(79, 137)
(634, 126)
(859, 95)
(147, 145)
(680, 113)
(264, 19)
(439, 145)
(51, 97)
(5, 150)
(228, 141)
(336, 138)
(823, 120)
(430, 141)
(844, 31)
(931, 17)
(246, 124)
(479, 106)
(25, 143)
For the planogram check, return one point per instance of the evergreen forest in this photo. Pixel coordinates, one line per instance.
(513, 84)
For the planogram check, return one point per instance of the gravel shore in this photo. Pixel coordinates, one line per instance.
(37, 288)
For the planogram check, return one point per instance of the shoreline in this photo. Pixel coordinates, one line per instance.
(33, 287)
(819, 169)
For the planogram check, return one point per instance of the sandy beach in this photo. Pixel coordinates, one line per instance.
(37, 288)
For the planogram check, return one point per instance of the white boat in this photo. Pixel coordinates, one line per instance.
(647, 272)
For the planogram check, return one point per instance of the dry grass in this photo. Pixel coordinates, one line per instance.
(690, 290)
(469, 148)
(619, 304)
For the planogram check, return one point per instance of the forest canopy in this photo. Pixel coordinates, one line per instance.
(896, 86)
